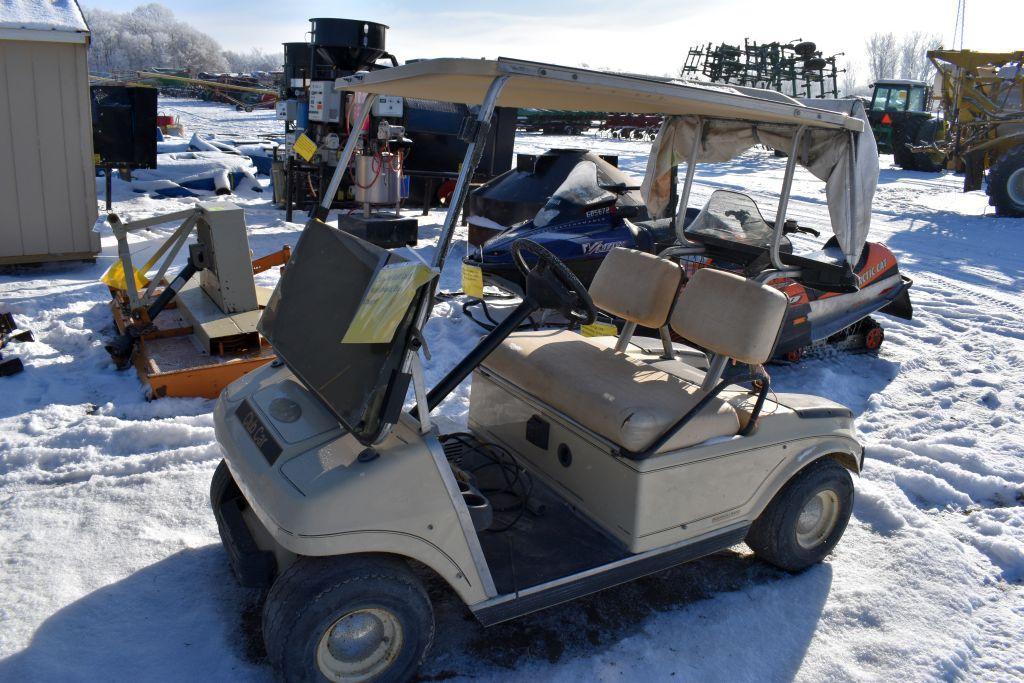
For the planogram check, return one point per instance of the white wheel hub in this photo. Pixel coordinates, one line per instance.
(1015, 187)
(360, 645)
(817, 519)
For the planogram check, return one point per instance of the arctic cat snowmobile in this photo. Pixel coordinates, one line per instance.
(588, 215)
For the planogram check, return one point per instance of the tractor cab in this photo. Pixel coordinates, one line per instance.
(898, 111)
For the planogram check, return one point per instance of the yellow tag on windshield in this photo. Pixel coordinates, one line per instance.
(472, 281)
(386, 303)
(304, 147)
(599, 330)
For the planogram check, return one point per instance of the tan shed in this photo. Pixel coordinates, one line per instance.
(47, 177)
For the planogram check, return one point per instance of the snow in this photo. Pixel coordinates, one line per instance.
(112, 568)
(42, 15)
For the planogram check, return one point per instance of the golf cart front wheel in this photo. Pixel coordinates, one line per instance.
(806, 518)
(347, 619)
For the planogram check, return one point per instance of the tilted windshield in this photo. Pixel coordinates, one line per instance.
(578, 192)
(733, 217)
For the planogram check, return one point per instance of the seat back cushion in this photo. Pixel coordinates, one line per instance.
(730, 315)
(636, 286)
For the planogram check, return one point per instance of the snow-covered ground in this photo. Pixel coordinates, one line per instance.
(112, 570)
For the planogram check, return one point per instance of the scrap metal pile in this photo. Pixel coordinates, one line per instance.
(795, 68)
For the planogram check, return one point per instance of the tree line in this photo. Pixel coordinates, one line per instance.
(150, 36)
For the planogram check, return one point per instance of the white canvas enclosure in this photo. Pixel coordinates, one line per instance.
(839, 147)
(47, 177)
(846, 160)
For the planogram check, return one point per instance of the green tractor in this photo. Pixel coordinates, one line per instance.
(900, 120)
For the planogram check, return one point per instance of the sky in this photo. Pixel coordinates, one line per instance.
(643, 36)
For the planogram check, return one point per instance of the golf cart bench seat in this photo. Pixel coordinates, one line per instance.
(625, 400)
(629, 402)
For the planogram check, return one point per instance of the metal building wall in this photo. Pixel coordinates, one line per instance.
(47, 177)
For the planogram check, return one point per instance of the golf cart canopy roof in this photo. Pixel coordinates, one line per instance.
(837, 148)
(547, 86)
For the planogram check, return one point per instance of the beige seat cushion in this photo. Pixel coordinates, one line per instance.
(636, 286)
(730, 315)
(627, 401)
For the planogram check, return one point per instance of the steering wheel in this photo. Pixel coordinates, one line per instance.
(550, 283)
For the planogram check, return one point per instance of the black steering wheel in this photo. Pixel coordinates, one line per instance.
(550, 283)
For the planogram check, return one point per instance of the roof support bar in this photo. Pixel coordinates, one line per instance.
(691, 167)
(346, 157)
(474, 150)
(787, 186)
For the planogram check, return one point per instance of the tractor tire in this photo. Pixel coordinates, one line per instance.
(904, 136)
(927, 133)
(347, 618)
(787, 534)
(815, 64)
(1005, 186)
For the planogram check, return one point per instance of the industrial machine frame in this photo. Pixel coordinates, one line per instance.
(331, 511)
(200, 347)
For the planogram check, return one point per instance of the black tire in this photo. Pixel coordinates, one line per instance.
(315, 592)
(927, 133)
(221, 484)
(1009, 201)
(903, 137)
(815, 64)
(773, 535)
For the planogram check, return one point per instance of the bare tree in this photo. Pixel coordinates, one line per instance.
(254, 60)
(848, 86)
(914, 47)
(149, 36)
(883, 55)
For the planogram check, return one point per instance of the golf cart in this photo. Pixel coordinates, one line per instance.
(583, 466)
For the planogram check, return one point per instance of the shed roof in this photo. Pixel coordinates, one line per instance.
(54, 20)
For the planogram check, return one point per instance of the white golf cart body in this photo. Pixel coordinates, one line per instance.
(638, 507)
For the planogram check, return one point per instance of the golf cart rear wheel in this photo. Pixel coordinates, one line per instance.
(360, 618)
(806, 518)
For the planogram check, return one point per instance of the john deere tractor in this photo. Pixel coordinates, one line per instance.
(900, 120)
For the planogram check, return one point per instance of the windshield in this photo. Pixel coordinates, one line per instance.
(578, 191)
(889, 97)
(310, 314)
(733, 217)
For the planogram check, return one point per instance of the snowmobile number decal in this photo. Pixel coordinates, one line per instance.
(257, 432)
(601, 247)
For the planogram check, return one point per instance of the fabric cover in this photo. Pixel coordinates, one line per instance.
(730, 315)
(624, 400)
(636, 286)
(824, 152)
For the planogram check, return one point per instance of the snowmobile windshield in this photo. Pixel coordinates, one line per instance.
(577, 194)
(731, 217)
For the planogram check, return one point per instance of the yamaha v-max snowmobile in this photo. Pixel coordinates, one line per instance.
(594, 209)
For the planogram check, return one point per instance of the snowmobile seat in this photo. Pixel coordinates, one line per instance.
(631, 403)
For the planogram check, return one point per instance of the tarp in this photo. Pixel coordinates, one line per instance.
(825, 153)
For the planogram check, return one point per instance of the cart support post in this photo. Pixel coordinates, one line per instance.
(691, 167)
(787, 186)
